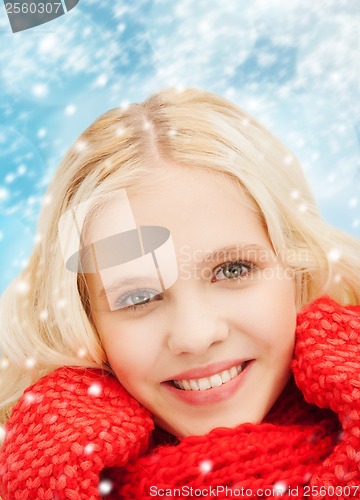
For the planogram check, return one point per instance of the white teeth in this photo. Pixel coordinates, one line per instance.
(217, 380)
(204, 384)
(233, 372)
(225, 376)
(193, 385)
(186, 385)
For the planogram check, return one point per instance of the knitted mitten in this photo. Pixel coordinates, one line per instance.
(65, 429)
(327, 370)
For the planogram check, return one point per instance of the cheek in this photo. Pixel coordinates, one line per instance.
(130, 350)
(280, 323)
(267, 313)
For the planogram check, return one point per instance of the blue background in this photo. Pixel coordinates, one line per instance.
(294, 65)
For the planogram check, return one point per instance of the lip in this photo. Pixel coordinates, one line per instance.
(207, 371)
(213, 395)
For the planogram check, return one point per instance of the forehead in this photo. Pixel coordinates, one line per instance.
(189, 202)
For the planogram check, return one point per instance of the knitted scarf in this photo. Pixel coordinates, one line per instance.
(77, 434)
(283, 453)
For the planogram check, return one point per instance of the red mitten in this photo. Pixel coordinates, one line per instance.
(326, 367)
(65, 429)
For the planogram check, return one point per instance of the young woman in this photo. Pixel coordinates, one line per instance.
(180, 249)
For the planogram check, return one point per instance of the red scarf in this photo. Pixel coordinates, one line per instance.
(75, 426)
(284, 452)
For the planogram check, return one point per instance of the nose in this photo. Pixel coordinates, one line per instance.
(195, 325)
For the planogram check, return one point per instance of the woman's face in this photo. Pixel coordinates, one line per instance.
(212, 350)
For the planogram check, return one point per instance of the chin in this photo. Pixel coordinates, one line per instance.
(201, 428)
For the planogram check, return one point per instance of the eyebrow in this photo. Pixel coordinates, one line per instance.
(122, 282)
(227, 251)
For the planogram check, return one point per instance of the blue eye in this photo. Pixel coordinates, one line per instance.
(136, 298)
(233, 270)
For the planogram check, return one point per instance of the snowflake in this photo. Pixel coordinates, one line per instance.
(47, 200)
(307, 477)
(289, 160)
(353, 202)
(30, 362)
(48, 43)
(4, 363)
(37, 238)
(88, 449)
(40, 90)
(70, 109)
(334, 255)
(101, 81)
(95, 389)
(42, 133)
(340, 435)
(61, 303)
(146, 125)
(121, 27)
(44, 315)
(105, 486)
(22, 287)
(4, 194)
(206, 466)
(29, 397)
(80, 145)
(10, 178)
(180, 88)
(21, 169)
(280, 487)
(295, 194)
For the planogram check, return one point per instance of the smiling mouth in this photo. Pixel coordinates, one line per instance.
(216, 380)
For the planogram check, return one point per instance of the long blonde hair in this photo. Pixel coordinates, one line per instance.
(45, 318)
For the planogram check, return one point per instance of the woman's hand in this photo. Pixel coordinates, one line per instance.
(327, 355)
(327, 370)
(65, 430)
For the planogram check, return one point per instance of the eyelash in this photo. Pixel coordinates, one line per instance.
(135, 306)
(250, 266)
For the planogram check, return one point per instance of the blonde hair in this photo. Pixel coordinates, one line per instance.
(45, 317)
